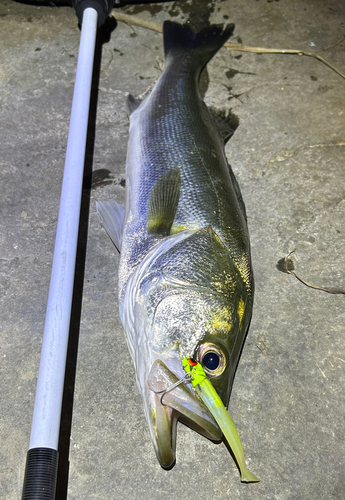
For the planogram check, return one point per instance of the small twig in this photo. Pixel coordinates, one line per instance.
(137, 21)
(151, 25)
(109, 62)
(322, 373)
(260, 50)
(325, 289)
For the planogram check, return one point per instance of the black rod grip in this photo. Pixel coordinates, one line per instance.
(40, 474)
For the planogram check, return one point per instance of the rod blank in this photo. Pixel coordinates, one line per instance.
(48, 400)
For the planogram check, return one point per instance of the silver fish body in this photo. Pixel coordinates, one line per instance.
(185, 278)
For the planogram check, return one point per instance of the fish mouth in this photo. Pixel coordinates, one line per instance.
(165, 405)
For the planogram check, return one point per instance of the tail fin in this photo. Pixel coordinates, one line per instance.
(179, 40)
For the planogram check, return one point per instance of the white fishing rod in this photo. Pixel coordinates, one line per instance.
(42, 457)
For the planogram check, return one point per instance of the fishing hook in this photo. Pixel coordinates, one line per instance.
(182, 380)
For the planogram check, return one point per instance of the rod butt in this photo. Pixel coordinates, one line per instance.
(40, 474)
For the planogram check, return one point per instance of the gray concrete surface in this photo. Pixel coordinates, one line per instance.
(288, 399)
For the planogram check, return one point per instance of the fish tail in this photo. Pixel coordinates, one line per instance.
(181, 42)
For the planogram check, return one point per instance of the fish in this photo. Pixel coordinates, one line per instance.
(185, 275)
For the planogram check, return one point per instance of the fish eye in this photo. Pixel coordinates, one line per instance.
(211, 358)
(211, 361)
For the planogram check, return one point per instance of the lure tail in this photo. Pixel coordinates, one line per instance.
(214, 404)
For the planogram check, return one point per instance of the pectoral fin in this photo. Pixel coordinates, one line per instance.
(163, 203)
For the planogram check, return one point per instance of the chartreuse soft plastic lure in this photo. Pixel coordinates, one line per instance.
(209, 396)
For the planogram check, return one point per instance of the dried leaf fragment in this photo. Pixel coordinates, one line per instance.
(286, 265)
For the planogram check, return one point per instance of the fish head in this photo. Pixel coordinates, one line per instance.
(191, 300)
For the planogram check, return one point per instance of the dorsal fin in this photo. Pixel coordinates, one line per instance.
(163, 202)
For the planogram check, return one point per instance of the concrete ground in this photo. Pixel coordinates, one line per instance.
(288, 399)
